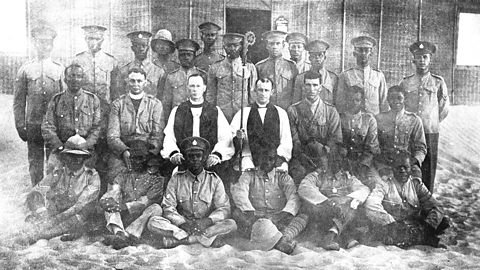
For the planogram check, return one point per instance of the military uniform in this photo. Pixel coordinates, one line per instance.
(328, 83)
(163, 35)
(154, 74)
(282, 72)
(317, 123)
(36, 83)
(205, 60)
(427, 96)
(400, 131)
(299, 38)
(167, 66)
(191, 197)
(360, 139)
(225, 84)
(372, 81)
(126, 124)
(131, 188)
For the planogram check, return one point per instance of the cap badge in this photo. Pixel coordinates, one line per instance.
(194, 142)
(421, 46)
(140, 36)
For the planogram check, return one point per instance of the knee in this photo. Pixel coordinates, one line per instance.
(155, 210)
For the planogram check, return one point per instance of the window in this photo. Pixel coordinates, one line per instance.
(468, 53)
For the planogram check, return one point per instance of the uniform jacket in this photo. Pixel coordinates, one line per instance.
(204, 60)
(266, 194)
(131, 188)
(69, 114)
(427, 96)
(322, 126)
(36, 83)
(98, 70)
(329, 86)
(373, 83)
(167, 66)
(387, 204)
(303, 65)
(317, 187)
(283, 150)
(188, 199)
(67, 192)
(225, 85)
(360, 137)
(125, 124)
(402, 131)
(282, 72)
(223, 144)
(175, 90)
(154, 74)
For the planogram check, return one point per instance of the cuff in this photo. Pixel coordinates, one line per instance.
(173, 153)
(217, 154)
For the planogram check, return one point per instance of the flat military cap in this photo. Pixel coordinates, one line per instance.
(44, 31)
(187, 45)
(163, 35)
(209, 27)
(296, 38)
(274, 35)
(94, 30)
(364, 42)
(317, 46)
(139, 36)
(139, 147)
(194, 143)
(422, 47)
(232, 38)
(75, 145)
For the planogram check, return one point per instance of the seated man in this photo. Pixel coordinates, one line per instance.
(132, 198)
(405, 208)
(61, 203)
(331, 197)
(360, 141)
(195, 206)
(267, 192)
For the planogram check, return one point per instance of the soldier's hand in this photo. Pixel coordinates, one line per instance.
(155, 191)
(212, 161)
(241, 134)
(22, 133)
(110, 205)
(126, 159)
(188, 227)
(200, 225)
(177, 159)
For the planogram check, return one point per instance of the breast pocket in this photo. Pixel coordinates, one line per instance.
(321, 128)
(53, 82)
(86, 116)
(63, 115)
(185, 204)
(179, 93)
(286, 78)
(403, 133)
(33, 83)
(145, 121)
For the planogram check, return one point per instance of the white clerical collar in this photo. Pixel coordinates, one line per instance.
(262, 106)
(196, 102)
(136, 96)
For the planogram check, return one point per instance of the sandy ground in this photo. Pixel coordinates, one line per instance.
(458, 186)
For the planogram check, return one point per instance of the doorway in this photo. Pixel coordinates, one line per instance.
(244, 20)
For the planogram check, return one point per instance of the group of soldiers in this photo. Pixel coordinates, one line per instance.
(195, 150)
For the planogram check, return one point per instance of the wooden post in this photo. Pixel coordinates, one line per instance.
(344, 24)
(190, 18)
(29, 30)
(419, 29)
(455, 45)
(307, 30)
(380, 33)
(110, 25)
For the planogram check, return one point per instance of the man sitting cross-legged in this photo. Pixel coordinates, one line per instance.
(132, 198)
(331, 196)
(268, 192)
(195, 207)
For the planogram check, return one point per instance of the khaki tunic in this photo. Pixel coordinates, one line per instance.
(329, 86)
(204, 60)
(154, 74)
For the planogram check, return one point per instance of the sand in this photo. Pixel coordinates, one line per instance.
(457, 188)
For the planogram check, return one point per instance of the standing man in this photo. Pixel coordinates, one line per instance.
(140, 46)
(315, 124)
(100, 69)
(175, 89)
(296, 47)
(134, 116)
(197, 117)
(371, 80)
(195, 207)
(163, 45)
(280, 71)
(36, 83)
(426, 95)
(74, 111)
(265, 126)
(208, 34)
(317, 50)
(225, 79)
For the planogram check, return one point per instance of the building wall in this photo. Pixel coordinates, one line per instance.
(393, 22)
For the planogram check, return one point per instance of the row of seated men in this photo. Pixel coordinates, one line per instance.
(313, 124)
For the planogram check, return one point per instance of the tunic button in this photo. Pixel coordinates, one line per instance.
(266, 201)
(194, 192)
(44, 93)
(75, 97)
(76, 130)
(76, 119)
(266, 191)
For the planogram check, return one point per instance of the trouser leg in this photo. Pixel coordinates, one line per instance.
(115, 167)
(136, 227)
(36, 157)
(163, 227)
(220, 228)
(429, 165)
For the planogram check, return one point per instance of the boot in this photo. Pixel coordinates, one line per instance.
(330, 243)
(171, 242)
(285, 245)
